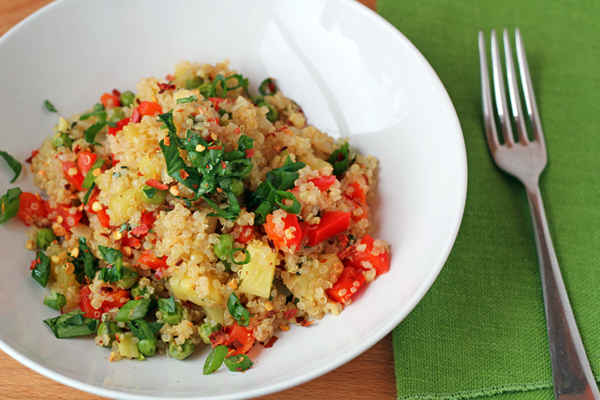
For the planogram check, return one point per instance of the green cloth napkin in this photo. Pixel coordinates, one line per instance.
(480, 331)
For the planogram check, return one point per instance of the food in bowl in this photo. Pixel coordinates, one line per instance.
(191, 213)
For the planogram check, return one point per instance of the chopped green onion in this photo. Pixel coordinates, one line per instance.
(341, 159)
(267, 87)
(49, 106)
(109, 329)
(98, 111)
(41, 271)
(238, 363)
(237, 310)
(71, 325)
(13, 164)
(116, 114)
(55, 300)
(85, 263)
(206, 329)
(128, 278)
(189, 99)
(91, 132)
(193, 83)
(89, 179)
(44, 237)
(127, 98)
(181, 352)
(88, 193)
(133, 309)
(215, 359)
(62, 139)
(272, 114)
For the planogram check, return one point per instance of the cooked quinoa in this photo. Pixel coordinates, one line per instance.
(191, 214)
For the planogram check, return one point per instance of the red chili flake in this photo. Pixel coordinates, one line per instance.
(33, 264)
(156, 184)
(223, 165)
(215, 148)
(136, 116)
(165, 86)
(115, 92)
(216, 101)
(289, 314)
(218, 337)
(170, 77)
(33, 154)
(183, 174)
(270, 342)
(249, 153)
(237, 130)
(215, 120)
(282, 128)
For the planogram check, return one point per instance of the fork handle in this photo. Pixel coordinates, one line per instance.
(571, 371)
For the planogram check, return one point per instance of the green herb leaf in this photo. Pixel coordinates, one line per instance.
(88, 193)
(86, 265)
(133, 309)
(237, 310)
(9, 204)
(98, 111)
(238, 363)
(44, 237)
(167, 305)
(49, 106)
(115, 258)
(215, 359)
(71, 325)
(13, 164)
(41, 272)
(341, 159)
(189, 99)
(172, 312)
(55, 300)
(91, 132)
(89, 179)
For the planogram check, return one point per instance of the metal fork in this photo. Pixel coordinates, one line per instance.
(525, 159)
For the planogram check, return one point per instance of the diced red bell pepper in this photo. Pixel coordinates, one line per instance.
(32, 208)
(110, 100)
(332, 223)
(72, 174)
(85, 160)
(240, 339)
(69, 215)
(356, 193)
(362, 256)
(130, 241)
(243, 234)
(120, 124)
(290, 237)
(249, 153)
(102, 215)
(152, 261)
(149, 108)
(119, 297)
(348, 285)
(323, 182)
(148, 219)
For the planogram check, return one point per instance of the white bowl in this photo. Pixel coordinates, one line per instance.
(353, 74)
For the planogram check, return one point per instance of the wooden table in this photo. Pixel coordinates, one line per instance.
(369, 376)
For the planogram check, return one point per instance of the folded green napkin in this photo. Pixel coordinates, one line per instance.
(481, 331)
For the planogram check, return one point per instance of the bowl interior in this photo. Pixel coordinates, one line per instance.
(354, 76)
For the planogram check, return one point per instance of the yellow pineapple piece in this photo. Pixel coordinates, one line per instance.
(257, 275)
(187, 282)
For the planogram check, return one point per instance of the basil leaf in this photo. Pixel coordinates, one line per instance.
(215, 359)
(189, 99)
(55, 300)
(238, 363)
(91, 132)
(71, 325)
(86, 265)
(9, 204)
(167, 305)
(237, 310)
(341, 159)
(41, 272)
(110, 255)
(89, 179)
(114, 257)
(49, 106)
(13, 164)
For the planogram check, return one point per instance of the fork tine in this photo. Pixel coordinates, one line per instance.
(501, 106)
(513, 90)
(529, 95)
(486, 98)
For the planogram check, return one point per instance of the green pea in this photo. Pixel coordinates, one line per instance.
(127, 98)
(147, 347)
(62, 139)
(206, 329)
(181, 352)
(237, 187)
(133, 309)
(152, 195)
(108, 328)
(193, 83)
(223, 247)
(128, 278)
(44, 237)
(116, 114)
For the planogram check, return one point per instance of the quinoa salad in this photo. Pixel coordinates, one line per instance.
(192, 214)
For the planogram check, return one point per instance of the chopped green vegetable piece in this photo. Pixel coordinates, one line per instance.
(90, 178)
(127, 98)
(9, 204)
(13, 164)
(110, 255)
(171, 311)
(193, 83)
(88, 193)
(238, 362)
(181, 352)
(91, 132)
(49, 106)
(223, 247)
(85, 263)
(108, 329)
(152, 195)
(44, 237)
(267, 87)
(116, 114)
(128, 278)
(206, 329)
(71, 325)
(147, 337)
(138, 291)
(62, 139)
(215, 359)
(98, 111)
(341, 159)
(237, 310)
(55, 300)
(272, 114)
(133, 309)
(189, 99)
(41, 271)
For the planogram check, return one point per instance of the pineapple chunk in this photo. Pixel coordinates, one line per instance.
(257, 275)
(184, 71)
(188, 283)
(215, 313)
(118, 190)
(62, 277)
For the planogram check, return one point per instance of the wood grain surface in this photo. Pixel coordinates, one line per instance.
(369, 376)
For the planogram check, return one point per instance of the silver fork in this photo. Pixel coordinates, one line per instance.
(525, 159)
